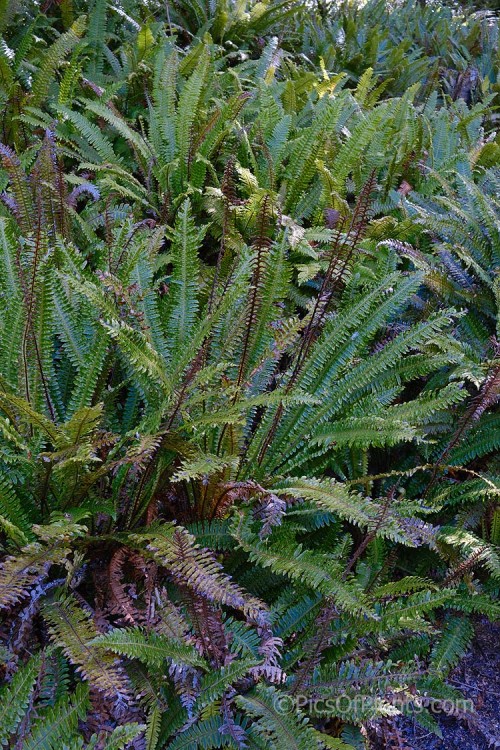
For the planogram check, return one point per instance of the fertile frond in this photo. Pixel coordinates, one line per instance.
(249, 370)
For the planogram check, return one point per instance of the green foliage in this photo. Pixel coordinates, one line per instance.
(59, 723)
(249, 368)
(15, 698)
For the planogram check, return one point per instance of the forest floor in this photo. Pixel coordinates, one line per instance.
(478, 678)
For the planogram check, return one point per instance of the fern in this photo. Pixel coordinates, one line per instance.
(15, 698)
(285, 729)
(455, 638)
(60, 722)
(72, 628)
(204, 734)
(152, 649)
(53, 57)
(249, 369)
(189, 103)
(196, 568)
(183, 303)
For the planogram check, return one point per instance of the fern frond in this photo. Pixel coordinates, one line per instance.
(452, 645)
(53, 58)
(60, 722)
(150, 648)
(188, 105)
(119, 738)
(286, 729)
(216, 683)
(182, 299)
(15, 698)
(72, 628)
(19, 573)
(315, 570)
(175, 549)
(203, 735)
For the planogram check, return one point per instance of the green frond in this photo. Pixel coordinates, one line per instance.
(190, 103)
(137, 142)
(60, 722)
(53, 58)
(452, 645)
(332, 743)
(315, 570)
(12, 404)
(331, 496)
(91, 133)
(216, 683)
(150, 648)
(249, 369)
(183, 301)
(204, 735)
(95, 39)
(15, 698)
(408, 612)
(214, 534)
(404, 586)
(153, 728)
(301, 168)
(284, 729)
(13, 513)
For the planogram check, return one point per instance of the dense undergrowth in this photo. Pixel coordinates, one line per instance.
(249, 368)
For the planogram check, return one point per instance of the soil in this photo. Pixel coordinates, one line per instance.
(478, 678)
